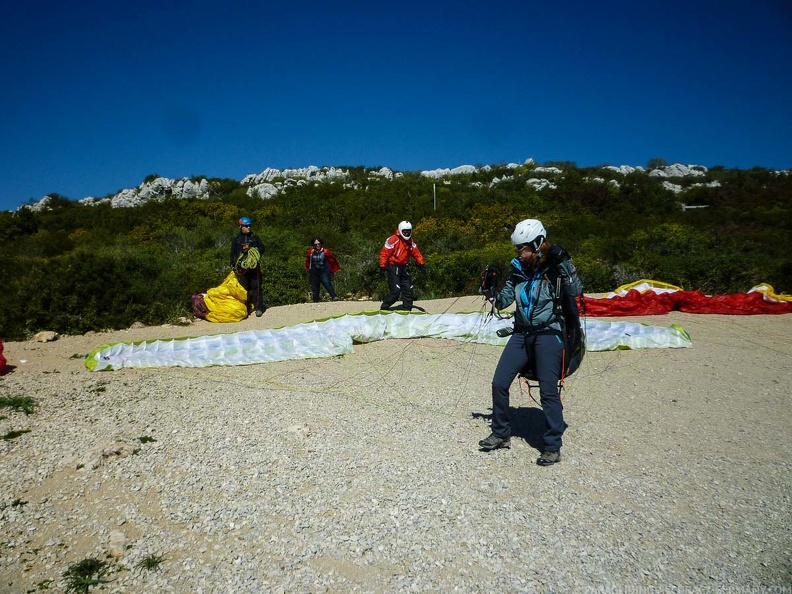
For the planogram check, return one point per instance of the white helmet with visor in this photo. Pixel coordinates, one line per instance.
(529, 232)
(405, 229)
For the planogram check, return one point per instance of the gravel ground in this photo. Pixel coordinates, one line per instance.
(362, 473)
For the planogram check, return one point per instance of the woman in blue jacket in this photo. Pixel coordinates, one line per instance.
(537, 274)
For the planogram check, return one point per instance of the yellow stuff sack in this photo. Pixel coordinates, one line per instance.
(228, 302)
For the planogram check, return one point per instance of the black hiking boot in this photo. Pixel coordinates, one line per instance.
(548, 458)
(493, 442)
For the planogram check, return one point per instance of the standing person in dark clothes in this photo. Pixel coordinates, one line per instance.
(393, 259)
(538, 333)
(320, 264)
(246, 252)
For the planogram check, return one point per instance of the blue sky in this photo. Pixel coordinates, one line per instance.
(98, 95)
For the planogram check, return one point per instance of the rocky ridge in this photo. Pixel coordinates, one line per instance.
(270, 182)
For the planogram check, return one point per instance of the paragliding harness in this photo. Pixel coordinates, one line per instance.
(566, 311)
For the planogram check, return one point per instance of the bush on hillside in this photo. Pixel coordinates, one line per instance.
(75, 267)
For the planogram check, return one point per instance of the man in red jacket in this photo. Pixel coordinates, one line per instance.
(394, 256)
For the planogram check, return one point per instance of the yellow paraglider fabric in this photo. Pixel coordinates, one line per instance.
(228, 302)
(644, 284)
(769, 293)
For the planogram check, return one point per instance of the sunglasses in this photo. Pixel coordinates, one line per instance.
(522, 247)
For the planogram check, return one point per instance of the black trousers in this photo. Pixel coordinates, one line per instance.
(251, 282)
(399, 283)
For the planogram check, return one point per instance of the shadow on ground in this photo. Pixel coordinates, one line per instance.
(528, 423)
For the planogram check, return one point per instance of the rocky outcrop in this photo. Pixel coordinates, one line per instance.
(679, 170)
(461, 170)
(270, 182)
(624, 169)
(160, 188)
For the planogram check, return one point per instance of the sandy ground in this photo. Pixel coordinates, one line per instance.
(710, 426)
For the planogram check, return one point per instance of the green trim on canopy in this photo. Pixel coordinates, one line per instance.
(335, 335)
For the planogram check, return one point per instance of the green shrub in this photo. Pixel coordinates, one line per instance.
(75, 268)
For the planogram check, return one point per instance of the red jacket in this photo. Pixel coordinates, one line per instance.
(329, 257)
(398, 250)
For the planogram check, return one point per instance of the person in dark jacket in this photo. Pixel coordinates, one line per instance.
(393, 259)
(321, 264)
(246, 252)
(537, 339)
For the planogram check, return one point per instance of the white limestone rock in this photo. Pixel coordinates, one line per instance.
(161, 188)
(553, 170)
(679, 170)
(272, 181)
(438, 173)
(264, 191)
(45, 336)
(541, 183)
(624, 169)
(383, 172)
(92, 201)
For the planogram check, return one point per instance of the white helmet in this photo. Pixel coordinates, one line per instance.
(405, 229)
(529, 231)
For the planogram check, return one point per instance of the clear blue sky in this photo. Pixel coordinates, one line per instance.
(98, 95)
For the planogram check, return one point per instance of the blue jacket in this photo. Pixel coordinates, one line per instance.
(534, 292)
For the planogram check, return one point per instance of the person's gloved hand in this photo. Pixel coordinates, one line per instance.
(382, 271)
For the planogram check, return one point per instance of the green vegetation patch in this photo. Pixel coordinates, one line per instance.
(151, 562)
(88, 572)
(105, 268)
(24, 404)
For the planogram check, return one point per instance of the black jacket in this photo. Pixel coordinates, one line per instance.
(242, 243)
